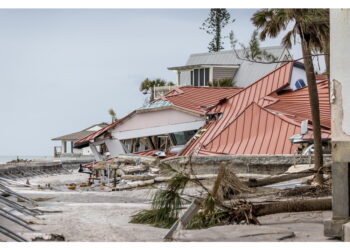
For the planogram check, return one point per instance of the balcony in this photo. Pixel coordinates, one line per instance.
(161, 90)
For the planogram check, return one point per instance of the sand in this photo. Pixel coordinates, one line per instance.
(104, 216)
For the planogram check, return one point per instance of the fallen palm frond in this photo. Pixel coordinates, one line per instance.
(152, 217)
(210, 209)
(166, 204)
(240, 212)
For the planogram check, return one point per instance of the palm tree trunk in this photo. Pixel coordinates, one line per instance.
(291, 206)
(327, 58)
(315, 109)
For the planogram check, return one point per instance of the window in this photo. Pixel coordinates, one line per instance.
(200, 77)
(300, 84)
(195, 81)
(206, 76)
(181, 138)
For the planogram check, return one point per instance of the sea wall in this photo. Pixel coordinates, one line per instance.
(257, 164)
(27, 169)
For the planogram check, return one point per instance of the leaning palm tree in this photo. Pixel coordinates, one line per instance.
(312, 26)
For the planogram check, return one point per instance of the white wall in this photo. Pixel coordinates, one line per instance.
(185, 78)
(297, 74)
(340, 73)
(154, 119)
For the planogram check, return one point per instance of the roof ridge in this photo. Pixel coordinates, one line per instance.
(209, 87)
(232, 51)
(266, 76)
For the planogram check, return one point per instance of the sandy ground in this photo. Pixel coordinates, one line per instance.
(104, 216)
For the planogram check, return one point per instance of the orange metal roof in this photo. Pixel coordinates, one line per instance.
(151, 153)
(191, 98)
(186, 97)
(256, 131)
(230, 110)
(296, 104)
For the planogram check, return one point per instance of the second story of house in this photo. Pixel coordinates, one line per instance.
(204, 68)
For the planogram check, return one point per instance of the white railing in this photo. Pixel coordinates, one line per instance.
(161, 90)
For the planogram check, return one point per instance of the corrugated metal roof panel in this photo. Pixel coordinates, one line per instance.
(256, 131)
(192, 98)
(156, 104)
(272, 82)
(296, 104)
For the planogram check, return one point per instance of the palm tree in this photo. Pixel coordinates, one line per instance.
(312, 26)
(112, 113)
(149, 85)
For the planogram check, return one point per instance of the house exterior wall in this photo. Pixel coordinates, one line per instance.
(185, 78)
(297, 74)
(156, 119)
(223, 73)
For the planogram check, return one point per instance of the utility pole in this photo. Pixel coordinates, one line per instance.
(339, 225)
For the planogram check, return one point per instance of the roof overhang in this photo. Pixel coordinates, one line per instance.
(190, 67)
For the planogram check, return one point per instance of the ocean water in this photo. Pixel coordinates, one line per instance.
(7, 158)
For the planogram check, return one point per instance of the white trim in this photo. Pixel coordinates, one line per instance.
(137, 133)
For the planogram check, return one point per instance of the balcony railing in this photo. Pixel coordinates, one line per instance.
(161, 90)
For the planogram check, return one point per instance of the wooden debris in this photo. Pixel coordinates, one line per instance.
(137, 177)
(72, 186)
(137, 160)
(277, 178)
(133, 169)
(134, 184)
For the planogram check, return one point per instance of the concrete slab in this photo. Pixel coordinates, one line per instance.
(346, 230)
(236, 233)
(334, 227)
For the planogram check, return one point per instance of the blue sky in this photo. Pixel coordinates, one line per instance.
(62, 69)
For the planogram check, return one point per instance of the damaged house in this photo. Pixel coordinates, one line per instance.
(264, 118)
(68, 140)
(167, 122)
(270, 116)
(203, 68)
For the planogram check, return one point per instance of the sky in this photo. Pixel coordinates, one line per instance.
(62, 69)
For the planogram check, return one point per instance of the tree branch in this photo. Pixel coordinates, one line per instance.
(277, 61)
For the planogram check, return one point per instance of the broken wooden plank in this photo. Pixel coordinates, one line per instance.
(137, 177)
(134, 184)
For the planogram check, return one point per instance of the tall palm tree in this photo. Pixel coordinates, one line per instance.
(312, 26)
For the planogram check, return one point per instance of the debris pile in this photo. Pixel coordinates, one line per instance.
(229, 201)
(121, 173)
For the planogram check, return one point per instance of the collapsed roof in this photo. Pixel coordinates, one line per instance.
(193, 100)
(261, 118)
(80, 134)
